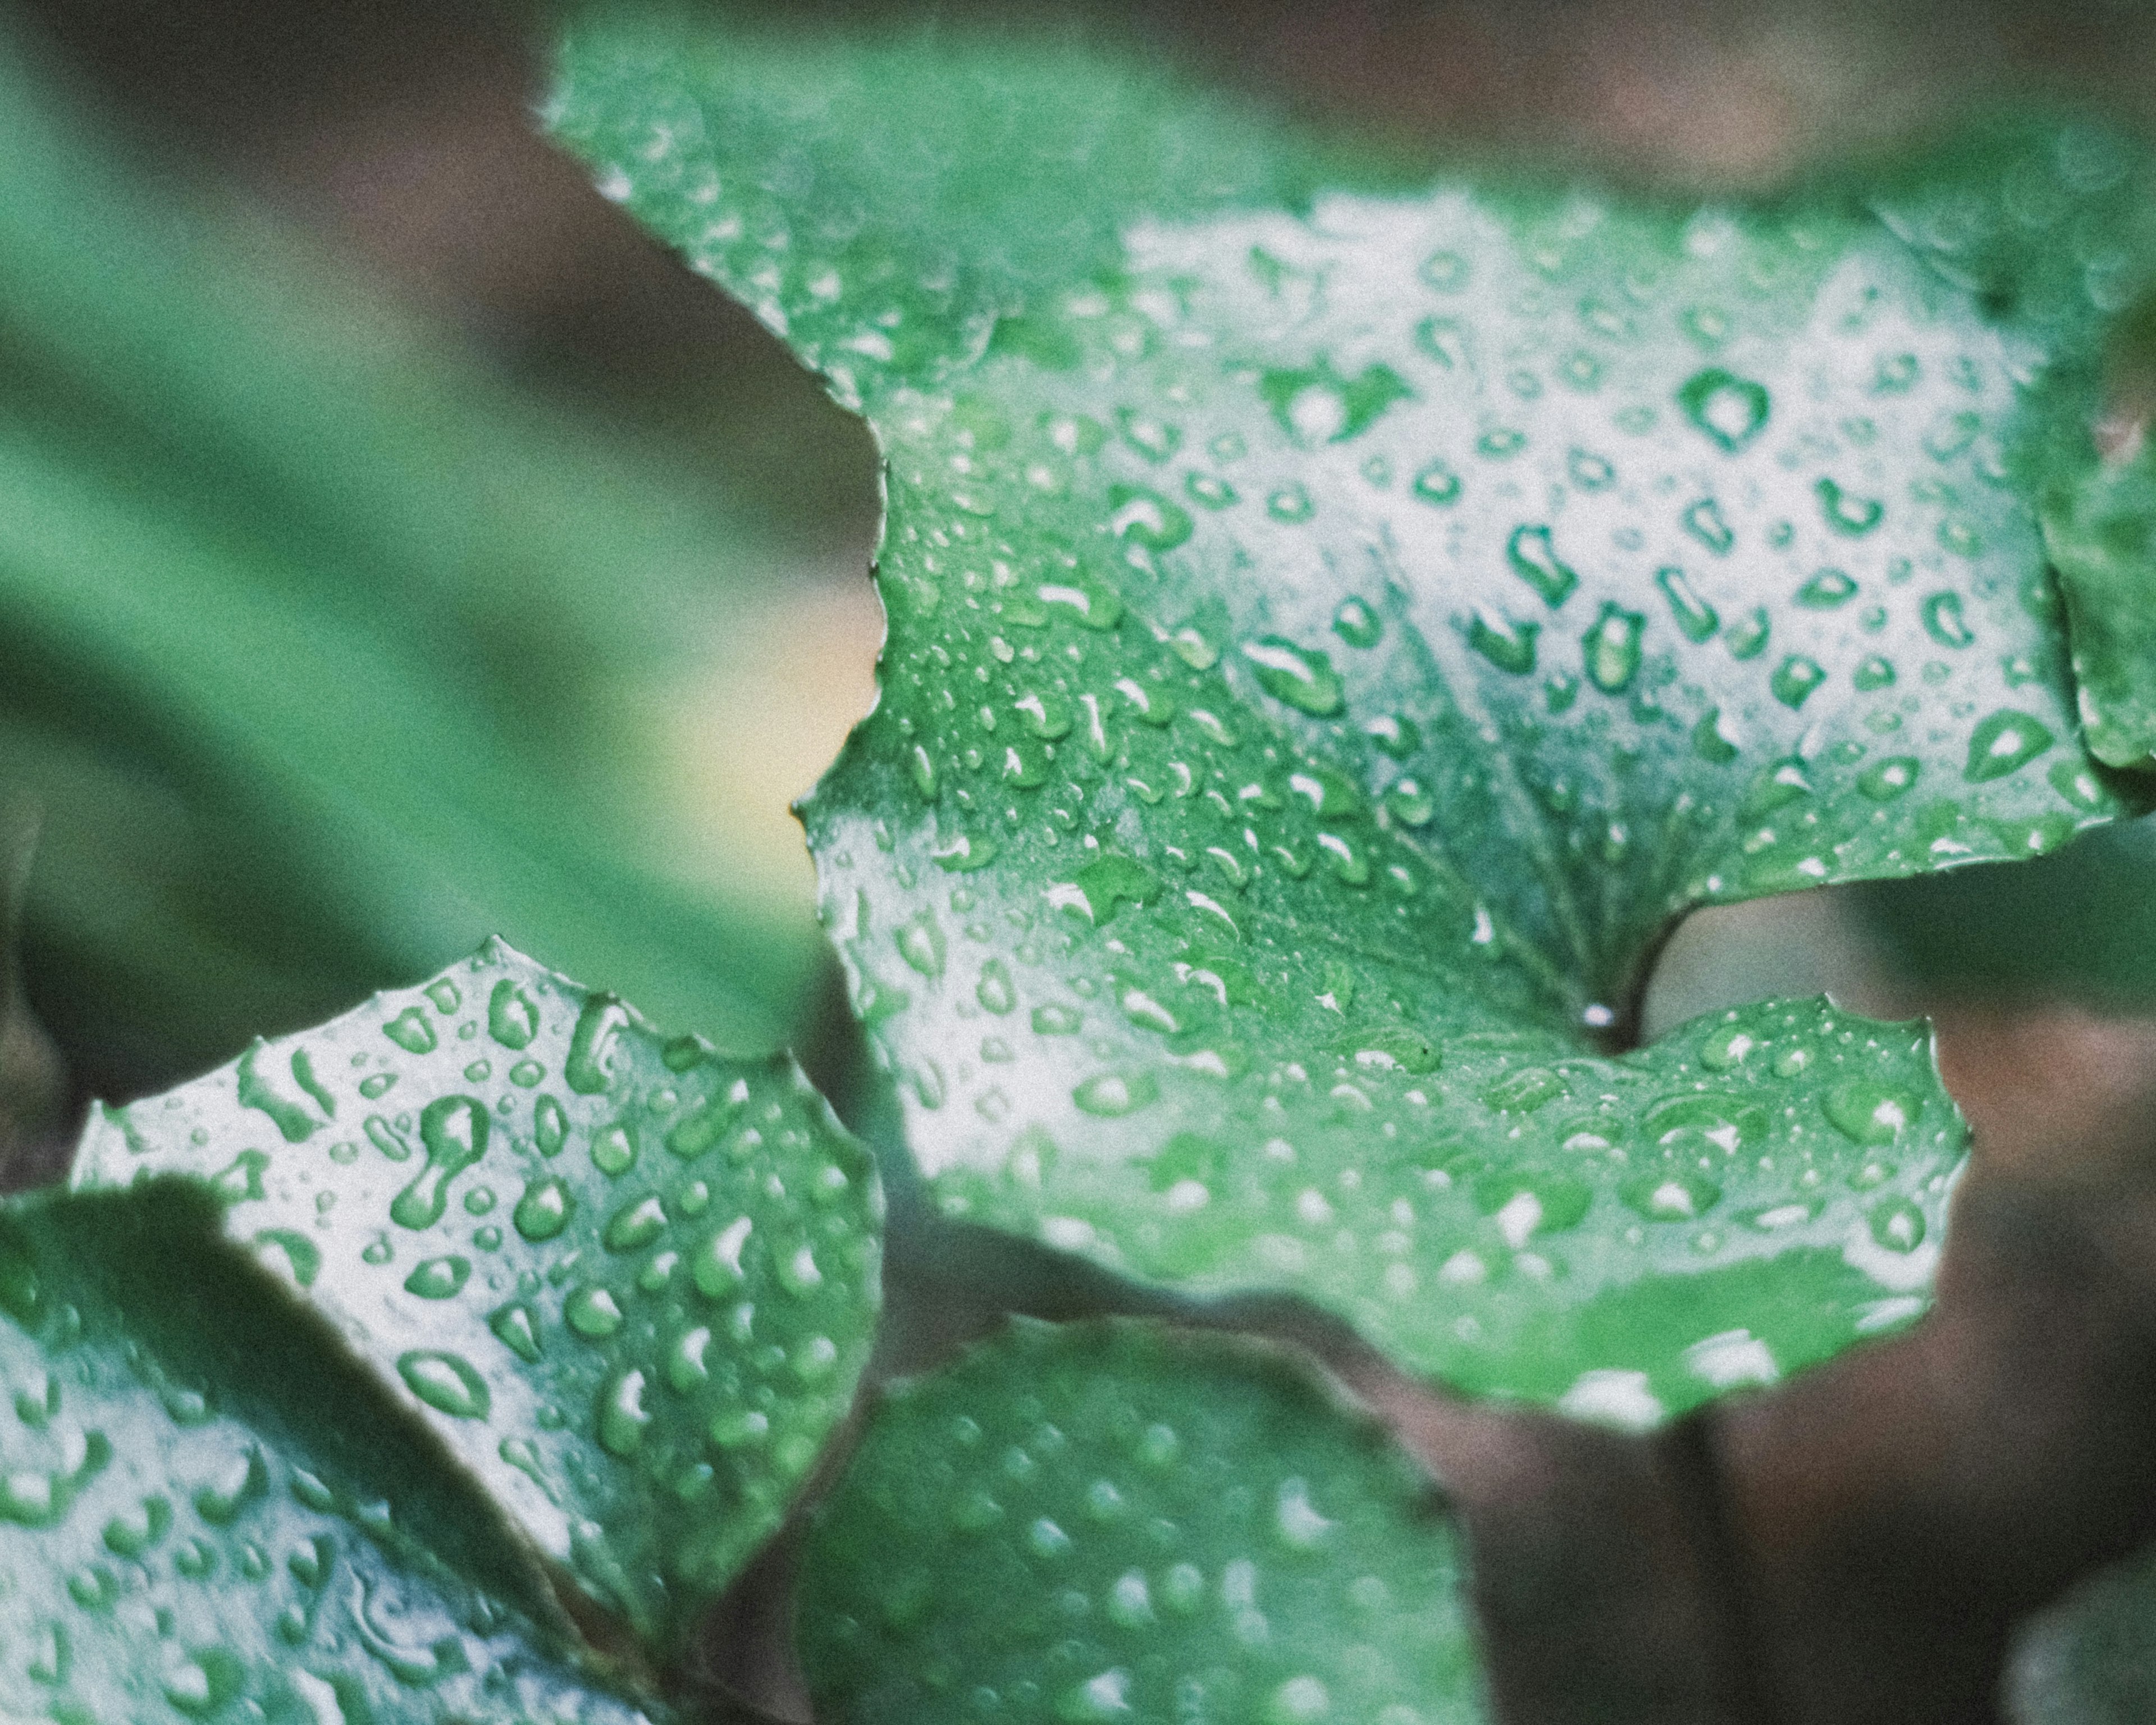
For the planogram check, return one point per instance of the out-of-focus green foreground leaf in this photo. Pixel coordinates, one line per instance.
(303, 621)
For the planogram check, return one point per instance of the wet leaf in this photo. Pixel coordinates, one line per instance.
(1114, 1522)
(206, 1513)
(1335, 629)
(629, 1283)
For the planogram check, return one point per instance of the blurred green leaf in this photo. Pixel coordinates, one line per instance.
(206, 1512)
(1244, 1548)
(631, 1285)
(310, 633)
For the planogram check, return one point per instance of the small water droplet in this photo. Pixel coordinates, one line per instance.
(1532, 556)
(623, 1420)
(1889, 778)
(1846, 512)
(411, 1030)
(1870, 1112)
(550, 1125)
(1612, 647)
(513, 1325)
(592, 1311)
(446, 1382)
(1872, 673)
(1694, 616)
(1897, 1225)
(2004, 742)
(1304, 679)
(513, 1016)
(1827, 589)
(438, 1278)
(1436, 482)
(544, 1210)
(1729, 409)
(1507, 644)
(1110, 1095)
(1357, 623)
(635, 1225)
(1703, 521)
(1794, 678)
(589, 1068)
(1943, 621)
(614, 1150)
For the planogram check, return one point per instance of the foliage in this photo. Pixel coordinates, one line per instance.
(1338, 622)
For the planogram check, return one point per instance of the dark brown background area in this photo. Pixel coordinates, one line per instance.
(1855, 1546)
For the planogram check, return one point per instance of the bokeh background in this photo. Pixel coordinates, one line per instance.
(396, 547)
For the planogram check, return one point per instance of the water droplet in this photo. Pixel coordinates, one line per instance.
(1703, 521)
(1501, 441)
(544, 1210)
(1111, 1094)
(454, 1132)
(1794, 680)
(513, 1325)
(438, 1278)
(204, 1682)
(623, 1420)
(1889, 778)
(243, 1479)
(1897, 1225)
(614, 1149)
(1508, 645)
(1316, 405)
(921, 943)
(1708, 741)
(1357, 623)
(1612, 648)
(550, 1125)
(2003, 743)
(589, 1068)
(1409, 804)
(1867, 1112)
(1730, 410)
(133, 1531)
(1435, 482)
(1533, 558)
(715, 1265)
(1303, 679)
(1827, 589)
(592, 1311)
(1590, 472)
(1726, 1047)
(994, 991)
(411, 1030)
(1943, 621)
(1291, 504)
(1141, 516)
(1694, 616)
(446, 1382)
(1871, 674)
(1847, 513)
(513, 1016)
(635, 1225)
(1299, 1701)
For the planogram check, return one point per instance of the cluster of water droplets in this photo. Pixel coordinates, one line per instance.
(634, 1283)
(1106, 1523)
(164, 1560)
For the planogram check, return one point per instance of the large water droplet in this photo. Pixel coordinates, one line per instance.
(592, 1311)
(715, 1265)
(453, 1131)
(544, 1210)
(635, 1225)
(513, 1016)
(1508, 645)
(1305, 679)
(411, 1030)
(1794, 680)
(589, 1069)
(1868, 1112)
(513, 1325)
(446, 1382)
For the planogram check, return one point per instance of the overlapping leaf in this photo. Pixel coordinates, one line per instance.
(630, 1283)
(1112, 1521)
(206, 1514)
(1333, 632)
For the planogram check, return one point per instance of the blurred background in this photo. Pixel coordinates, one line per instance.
(396, 547)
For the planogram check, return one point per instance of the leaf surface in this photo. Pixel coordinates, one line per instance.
(204, 1514)
(1111, 1521)
(1334, 631)
(629, 1283)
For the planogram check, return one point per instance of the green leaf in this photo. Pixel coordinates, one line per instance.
(2090, 1659)
(1333, 632)
(314, 632)
(2101, 532)
(630, 1283)
(205, 1514)
(1112, 1521)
